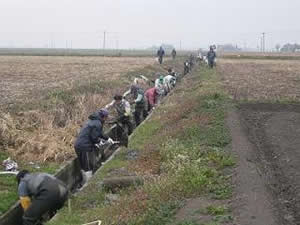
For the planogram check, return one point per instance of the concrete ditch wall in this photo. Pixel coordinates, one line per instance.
(70, 174)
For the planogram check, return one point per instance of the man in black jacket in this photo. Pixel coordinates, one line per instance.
(90, 135)
(211, 56)
(160, 54)
(40, 193)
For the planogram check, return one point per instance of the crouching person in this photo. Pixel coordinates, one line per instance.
(40, 193)
(137, 93)
(122, 107)
(152, 98)
(85, 146)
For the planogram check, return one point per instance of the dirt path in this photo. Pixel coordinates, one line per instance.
(266, 140)
(251, 204)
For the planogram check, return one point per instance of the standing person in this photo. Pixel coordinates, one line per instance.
(139, 100)
(160, 54)
(152, 97)
(40, 193)
(85, 145)
(122, 107)
(211, 56)
(173, 53)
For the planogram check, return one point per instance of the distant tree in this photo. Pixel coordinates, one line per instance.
(277, 47)
(228, 48)
(290, 47)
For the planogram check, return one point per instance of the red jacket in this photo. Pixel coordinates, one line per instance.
(151, 95)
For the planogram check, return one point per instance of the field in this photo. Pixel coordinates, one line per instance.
(26, 77)
(269, 114)
(45, 99)
(261, 80)
(248, 105)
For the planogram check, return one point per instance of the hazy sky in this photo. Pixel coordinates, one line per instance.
(142, 23)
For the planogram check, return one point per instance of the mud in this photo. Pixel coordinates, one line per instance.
(274, 131)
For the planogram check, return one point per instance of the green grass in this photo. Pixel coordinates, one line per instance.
(216, 210)
(191, 160)
(7, 184)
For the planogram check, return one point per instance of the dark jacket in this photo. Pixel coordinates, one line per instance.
(33, 184)
(160, 52)
(211, 55)
(138, 94)
(90, 134)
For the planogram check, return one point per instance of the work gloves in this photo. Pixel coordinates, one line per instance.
(110, 141)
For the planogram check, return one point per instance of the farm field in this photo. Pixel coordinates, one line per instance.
(45, 99)
(24, 77)
(267, 142)
(261, 80)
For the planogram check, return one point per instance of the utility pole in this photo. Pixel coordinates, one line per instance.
(180, 46)
(263, 42)
(104, 34)
(117, 44)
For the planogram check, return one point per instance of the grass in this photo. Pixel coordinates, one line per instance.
(181, 154)
(216, 210)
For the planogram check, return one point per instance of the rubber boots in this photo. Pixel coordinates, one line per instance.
(89, 175)
(86, 176)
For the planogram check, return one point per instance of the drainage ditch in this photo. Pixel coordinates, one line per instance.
(70, 174)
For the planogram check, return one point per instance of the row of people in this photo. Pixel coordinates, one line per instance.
(41, 193)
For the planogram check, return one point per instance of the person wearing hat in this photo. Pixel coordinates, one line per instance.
(122, 107)
(85, 145)
(40, 193)
(139, 100)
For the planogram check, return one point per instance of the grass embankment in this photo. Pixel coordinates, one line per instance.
(43, 130)
(180, 154)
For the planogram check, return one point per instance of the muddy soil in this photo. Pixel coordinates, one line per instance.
(274, 133)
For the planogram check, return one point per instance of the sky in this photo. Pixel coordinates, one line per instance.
(186, 24)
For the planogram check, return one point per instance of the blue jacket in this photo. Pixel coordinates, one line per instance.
(211, 55)
(90, 134)
(160, 52)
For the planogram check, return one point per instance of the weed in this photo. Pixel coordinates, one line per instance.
(216, 210)
(159, 215)
(187, 223)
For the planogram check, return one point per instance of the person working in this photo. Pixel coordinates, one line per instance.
(85, 145)
(40, 193)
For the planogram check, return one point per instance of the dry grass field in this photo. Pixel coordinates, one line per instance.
(45, 99)
(24, 77)
(264, 80)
